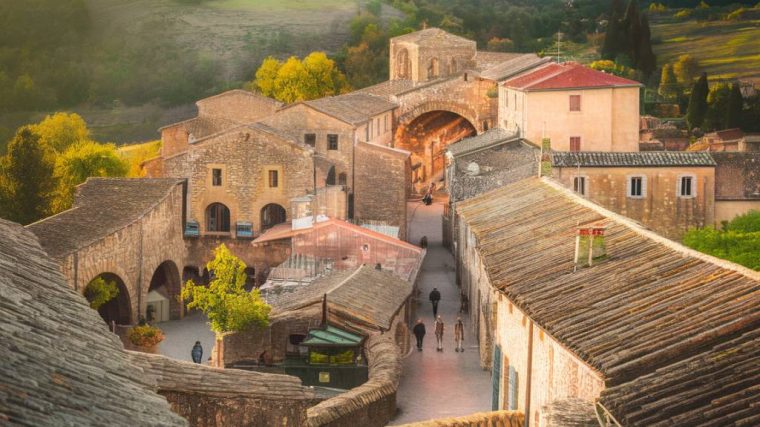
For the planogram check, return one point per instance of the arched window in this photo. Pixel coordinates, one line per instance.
(217, 218)
(403, 68)
(271, 215)
(433, 69)
(330, 180)
(342, 178)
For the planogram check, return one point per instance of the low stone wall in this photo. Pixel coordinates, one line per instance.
(372, 403)
(480, 419)
(208, 396)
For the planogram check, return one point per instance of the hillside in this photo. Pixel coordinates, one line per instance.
(725, 49)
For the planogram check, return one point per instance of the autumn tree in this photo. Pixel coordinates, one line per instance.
(695, 114)
(686, 69)
(61, 130)
(26, 178)
(669, 87)
(225, 301)
(295, 80)
(80, 161)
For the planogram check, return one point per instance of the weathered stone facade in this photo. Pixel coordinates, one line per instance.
(430, 54)
(737, 184)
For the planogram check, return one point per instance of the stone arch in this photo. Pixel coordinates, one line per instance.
(217, 217)
(434, 68)
(454, 107)
(403, 65)
(164, 293)
(271, 215)
(119, 309)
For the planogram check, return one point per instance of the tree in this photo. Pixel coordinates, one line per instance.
(669, 87)
(632, 25)
(80, 161)
(695, 114)
(647, 61)
(735, 107)
(614, 38)
(290, 81)
(61, 130)
(295, 80)
(717, 107)
(27, 178)
(324, 78)
(266, 76)
(614, 68)
(99, 292)
(739, 241)
(686, 69)
(225, 301)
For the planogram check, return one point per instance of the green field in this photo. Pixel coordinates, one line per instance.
(725, 49)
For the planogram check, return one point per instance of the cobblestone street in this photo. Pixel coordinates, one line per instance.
(182, 334)
(433, 384)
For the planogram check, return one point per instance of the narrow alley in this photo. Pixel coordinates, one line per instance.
(433, 384)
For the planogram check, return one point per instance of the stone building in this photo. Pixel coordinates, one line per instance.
(430, 54)
(727, 140)
(737, 184)
(571, 300)
(62, 366)
(578, 108)
(669, 192)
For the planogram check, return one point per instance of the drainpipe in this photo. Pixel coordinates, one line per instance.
(530, 374)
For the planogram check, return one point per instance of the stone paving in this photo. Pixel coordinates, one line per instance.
(433, 384)
(182, 334)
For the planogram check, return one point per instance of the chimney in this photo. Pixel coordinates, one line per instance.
(589, 245)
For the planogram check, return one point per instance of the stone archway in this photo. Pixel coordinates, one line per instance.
(426, 133)
(163, 300)
(118, 309)
(271, 215)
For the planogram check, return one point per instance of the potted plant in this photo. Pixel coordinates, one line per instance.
(145, 337)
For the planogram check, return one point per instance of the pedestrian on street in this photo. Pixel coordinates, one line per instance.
(439, 333)
(435, 296)
(197, 352)
(459, 334)
(419, 333)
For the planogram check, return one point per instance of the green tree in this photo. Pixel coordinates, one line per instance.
(686, 69)
(225, 301)
(632, 25)
(669, 87)
(614, 38)
(99, 292)
(27, 178)
(80, 161)
(62, 130)
(735, 107)
(739, 241)
(717, 107)
(647, 60)
(695, 114)
(611, 67)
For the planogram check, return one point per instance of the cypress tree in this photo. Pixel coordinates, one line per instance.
(632, 29)
(695, 114)
(647, 59)
(735, 106)
(614, 38)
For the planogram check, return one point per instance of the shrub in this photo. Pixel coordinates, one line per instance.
(145, 335)
(99, 292)
(683, 14)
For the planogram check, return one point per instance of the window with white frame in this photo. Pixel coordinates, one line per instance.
(637, 187)
(686, 186)
(579, 185)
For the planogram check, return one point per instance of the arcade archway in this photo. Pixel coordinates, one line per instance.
(119, 308)
(271, 215)
(163, 300)
(427, 137)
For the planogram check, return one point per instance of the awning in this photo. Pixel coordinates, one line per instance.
(332, 336)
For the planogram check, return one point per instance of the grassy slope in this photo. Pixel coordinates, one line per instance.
(724, 49)
(135, 154)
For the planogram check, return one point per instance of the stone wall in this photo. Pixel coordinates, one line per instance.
(372, 403)
(661, 209)
(245, 156)
(224, 397)
(737, 184)
(382, 185)
(239, 105)
(261, 257)
(480, 419)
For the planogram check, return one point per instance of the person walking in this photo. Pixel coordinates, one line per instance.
(197, 352)
(459, 334)
(439, 333)
(435, 296)
(419, 333)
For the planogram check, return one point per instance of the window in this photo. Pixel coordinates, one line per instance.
(310, 139)
(385, 123)
(575, 143)
(370, 134)
(342, 178)
(686, 187)
(332, 141)
(637, 187)
(216, 177)
(274, 179)
(575, 103)
(218, 218)
(485, 125)
(579, 185)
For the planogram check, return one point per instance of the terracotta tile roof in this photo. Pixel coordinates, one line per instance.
(719, 386)
(102, 207)
(569, 75)
(352, 108)
(434, 37)
(649, 304)
(365, 294)
(61, 365)
(627, 159)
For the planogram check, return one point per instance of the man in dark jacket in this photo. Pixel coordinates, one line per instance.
(419, 333)
(435, 296)
(197, 352)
